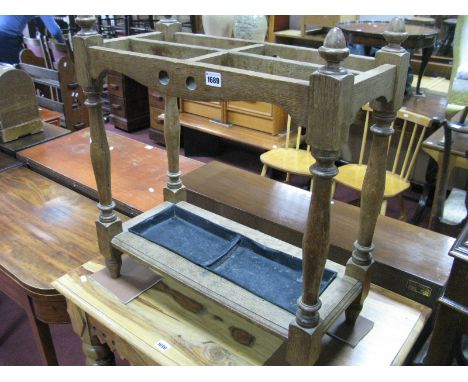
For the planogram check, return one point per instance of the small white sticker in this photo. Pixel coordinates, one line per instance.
(213, 79)
(151, 189)
(163, 346)
(111, 148)
(83, 279)
(148, 147)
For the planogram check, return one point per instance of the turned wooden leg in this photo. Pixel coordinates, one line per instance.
(174, 191)
(108, 224)
(372, 203)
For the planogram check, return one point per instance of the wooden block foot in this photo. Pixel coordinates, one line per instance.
(304, 344)
(174, 195)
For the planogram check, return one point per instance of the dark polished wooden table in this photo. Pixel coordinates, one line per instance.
(371, 34)
(49, 133)
(138, 170)
(47, 230)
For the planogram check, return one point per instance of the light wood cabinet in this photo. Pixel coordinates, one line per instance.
(260, 116)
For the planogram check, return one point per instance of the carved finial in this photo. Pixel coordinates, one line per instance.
(334, 51)
(395, 35)
(87, 24)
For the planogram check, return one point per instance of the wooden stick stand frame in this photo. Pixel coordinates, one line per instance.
(320, 89)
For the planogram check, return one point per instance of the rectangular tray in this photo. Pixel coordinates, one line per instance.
(197, 239)
(268, 273)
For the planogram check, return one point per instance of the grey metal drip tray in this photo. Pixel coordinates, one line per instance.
(189, 235)
(270, 274)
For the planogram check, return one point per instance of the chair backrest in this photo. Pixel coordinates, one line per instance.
(34, 45)
(414, 124)
(58, 50)
(298, 137)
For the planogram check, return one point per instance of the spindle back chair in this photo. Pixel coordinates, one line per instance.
(291, 160)
(402, 164)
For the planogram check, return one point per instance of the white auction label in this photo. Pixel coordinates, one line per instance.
(163, 346)
(213, 79)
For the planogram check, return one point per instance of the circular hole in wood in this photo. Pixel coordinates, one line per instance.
(163, 77)
(190, 83)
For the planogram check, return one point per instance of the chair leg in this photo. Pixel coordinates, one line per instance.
(333, 189)
(383, 208)
(288, 178)
(264, 170)
(403, 216)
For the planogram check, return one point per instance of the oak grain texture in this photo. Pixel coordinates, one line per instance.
(202, 339)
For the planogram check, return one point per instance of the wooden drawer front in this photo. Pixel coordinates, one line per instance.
(117, 105)
(115, 85)
(211, 110)
(250, 121)
(154, 123)
(156, 100)
(256, 108)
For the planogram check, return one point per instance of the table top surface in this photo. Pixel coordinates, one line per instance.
(195, 339)
(8, 161)
(138, 170)
(459, 142)
(47, 229)
(431, 105)
(49, 133)
(375, 28)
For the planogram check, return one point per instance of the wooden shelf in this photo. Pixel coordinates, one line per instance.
(254, 138)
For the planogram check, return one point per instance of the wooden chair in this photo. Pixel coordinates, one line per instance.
(59, 90)
(291, 160)
(397, 179)
(447, 212)
(57, 51)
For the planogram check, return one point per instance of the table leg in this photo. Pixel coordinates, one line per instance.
(40, 330)
(426, 55)
(427, 194)
(43, 339)
(97, 354)
(441, 349)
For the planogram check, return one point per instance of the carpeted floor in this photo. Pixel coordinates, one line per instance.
(17, 345)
